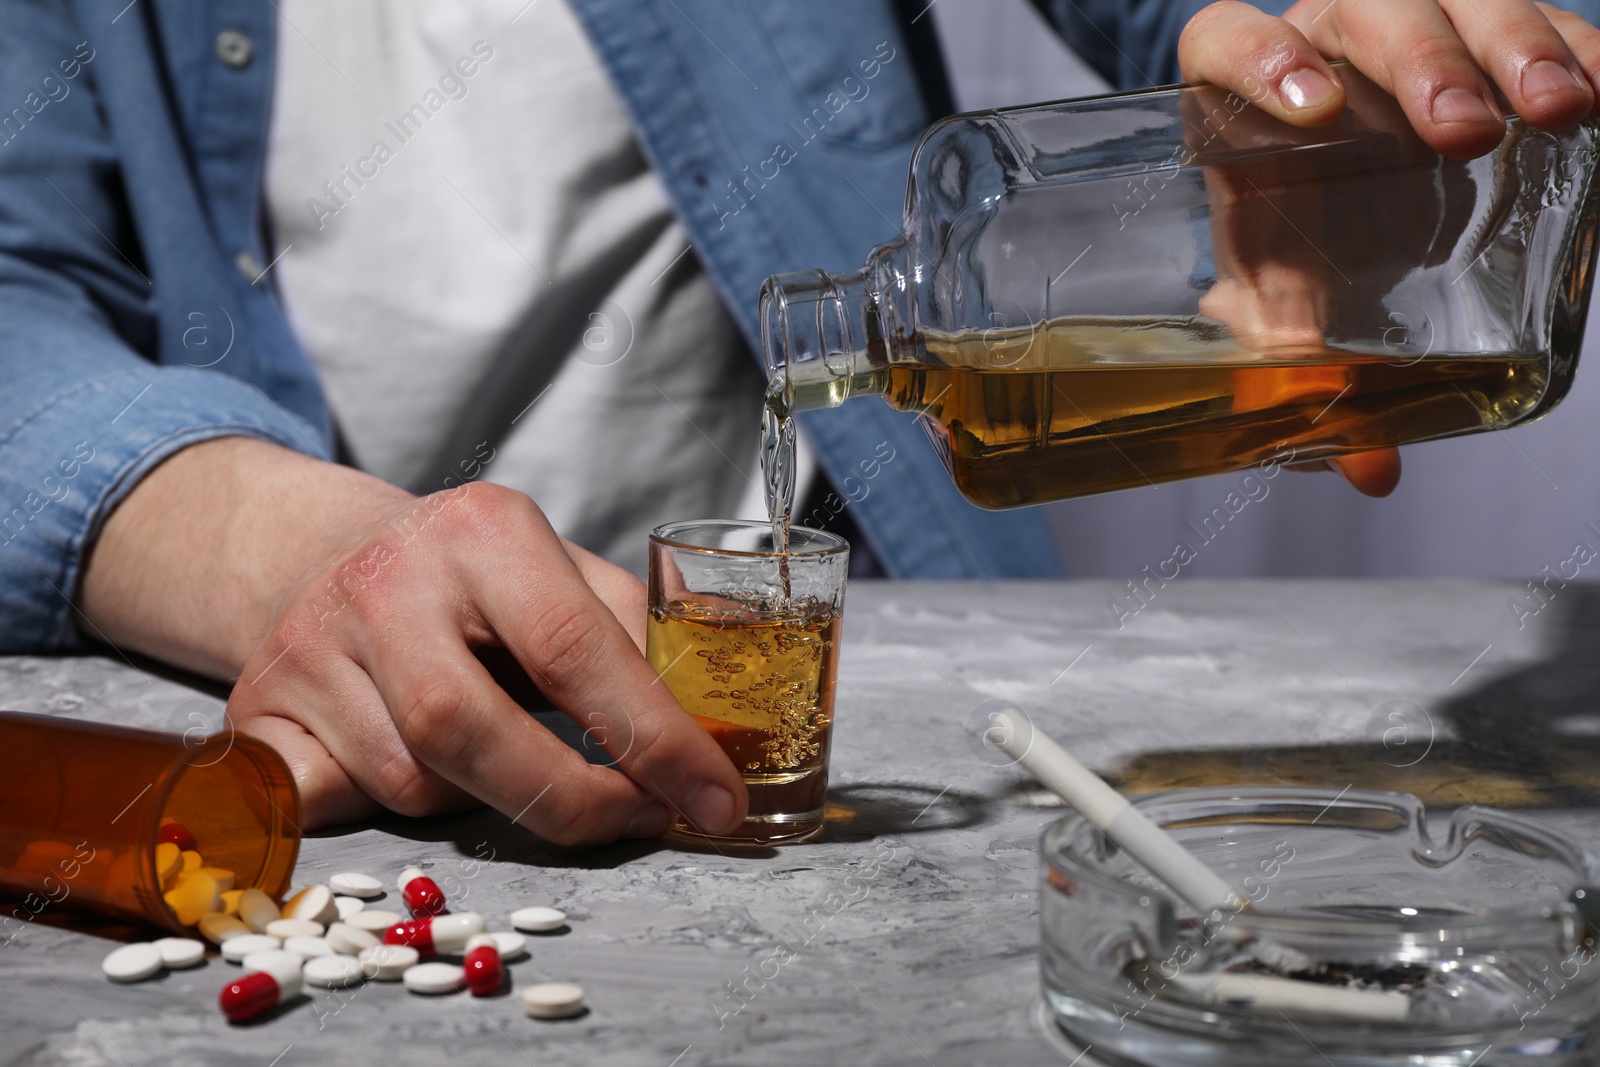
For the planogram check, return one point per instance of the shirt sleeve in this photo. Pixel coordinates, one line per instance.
(83, 414)
(1134, 43)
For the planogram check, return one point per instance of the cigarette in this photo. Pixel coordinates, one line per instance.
(1110, 813)
(1266, 994)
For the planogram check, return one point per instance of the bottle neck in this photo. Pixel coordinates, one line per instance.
(822, 339)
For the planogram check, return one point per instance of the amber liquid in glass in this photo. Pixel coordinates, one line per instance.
(760, 679)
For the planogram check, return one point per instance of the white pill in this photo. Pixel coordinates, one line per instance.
(180, 952)
(388, 963)
(538, 920)
(512, 945)
(307, 947)
(217, 927)
(348, 906)
(373, 920)
(283, 966)
(349, 940)
(332, 972)
(286, 928)
(134, 963)
(256, 910)
(235, 949)
(552, 1000)
(350, 884)
(406, 876)
(314, 903)
(433, 979)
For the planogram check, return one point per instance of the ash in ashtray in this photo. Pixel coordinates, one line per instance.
(1407, 978)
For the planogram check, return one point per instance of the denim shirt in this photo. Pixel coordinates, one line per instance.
(137, 315)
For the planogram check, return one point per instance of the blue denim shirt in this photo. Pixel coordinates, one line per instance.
(134, 319)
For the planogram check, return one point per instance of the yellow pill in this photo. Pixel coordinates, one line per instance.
(191, 860)
(223, 878)
(195, 895)
(169, 862)
(230, 899)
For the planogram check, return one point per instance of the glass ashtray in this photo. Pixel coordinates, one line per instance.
(1374, 934)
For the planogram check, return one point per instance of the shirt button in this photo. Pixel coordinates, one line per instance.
(234, 48)
(249, 266)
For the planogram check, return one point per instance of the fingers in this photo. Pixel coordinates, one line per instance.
(1525, 55)
(319, 690)
(529, 595)
(454, 718)
(1583, 41)
(1411, 50)
(328, 796)
(1264, 59)
(1372, 473)
(620, 591)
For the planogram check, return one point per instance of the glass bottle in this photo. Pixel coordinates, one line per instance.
(1135, 288)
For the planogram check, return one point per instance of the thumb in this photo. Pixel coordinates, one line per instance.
(1264, 59)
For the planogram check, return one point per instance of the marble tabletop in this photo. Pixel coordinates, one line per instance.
(906, 935)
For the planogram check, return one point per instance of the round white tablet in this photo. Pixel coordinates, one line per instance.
(275, 962)
(217, 927)
(433, 979)
(256, 910)
(538, 920)
(235, 949)
(332, 972)
(180, 952)
(314, 903)
(552, 1000)
(284, 967)
(286, 928)
(307, 947)
(350, 884)
(348, 906)
(349, 940)
(512, 945)
(373, 920)
(387, 963)
(133, 963)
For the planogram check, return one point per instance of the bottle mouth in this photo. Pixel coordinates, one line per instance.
(811, 331)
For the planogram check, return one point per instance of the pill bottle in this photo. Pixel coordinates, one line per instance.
(83, 804)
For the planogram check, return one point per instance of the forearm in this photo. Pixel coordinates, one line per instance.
(192, 566)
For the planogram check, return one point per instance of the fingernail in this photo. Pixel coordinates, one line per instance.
(1546, 78)
(1459, 105)
(651, 820)
(1306, 88)
(711, 809)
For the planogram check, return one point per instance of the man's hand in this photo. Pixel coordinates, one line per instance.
(1437, 57)
(350, 610)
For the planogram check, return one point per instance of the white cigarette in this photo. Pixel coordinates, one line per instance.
(1267, 994)
(1110, 813)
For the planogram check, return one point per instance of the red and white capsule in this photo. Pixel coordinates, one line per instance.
(437, 935)
(485, 972)
(260, 992)
(421, 893)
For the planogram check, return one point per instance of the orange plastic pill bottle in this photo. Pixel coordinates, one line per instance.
(82, 803)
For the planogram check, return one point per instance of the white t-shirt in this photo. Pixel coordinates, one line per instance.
(480, 262)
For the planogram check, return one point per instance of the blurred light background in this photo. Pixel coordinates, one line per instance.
(1501, 504)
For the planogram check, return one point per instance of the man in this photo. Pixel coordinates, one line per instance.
(195, 293)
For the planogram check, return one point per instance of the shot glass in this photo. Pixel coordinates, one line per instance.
(747, 639)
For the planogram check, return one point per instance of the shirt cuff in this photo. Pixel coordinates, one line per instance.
(70, 460)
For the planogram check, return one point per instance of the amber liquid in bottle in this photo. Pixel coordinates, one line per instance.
(1072, 407)
(762, 686)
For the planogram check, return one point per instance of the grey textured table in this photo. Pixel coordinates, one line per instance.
(912, 921)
